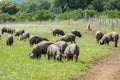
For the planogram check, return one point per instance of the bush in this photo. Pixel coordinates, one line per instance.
(91, 12)
(64, 16)
(6, 17)
(42, 15)
(23, 16)
(75, 14)
(111, 13)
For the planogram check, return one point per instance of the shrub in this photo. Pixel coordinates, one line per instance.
(23, 16)
(6, 17)
(111, 13)
(91, 12)
(42, 15)
(75, 14)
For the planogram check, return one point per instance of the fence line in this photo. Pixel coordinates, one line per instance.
(105, 22)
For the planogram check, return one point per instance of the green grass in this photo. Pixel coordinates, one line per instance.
(16, 65)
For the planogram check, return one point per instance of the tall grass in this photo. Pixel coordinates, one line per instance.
(16, 65)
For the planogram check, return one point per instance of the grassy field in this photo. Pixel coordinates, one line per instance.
(16, 65)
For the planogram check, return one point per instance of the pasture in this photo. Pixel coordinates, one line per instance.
(15, 63)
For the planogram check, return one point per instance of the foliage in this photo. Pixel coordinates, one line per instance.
(34, 5)
(111, 13)
(91, 13)
(65, 5)
(112, 5)
(44, 5)
(61, 9)
(9, 7)
(60, 4)
(75, 14)
(23, 16)
(6, 17)
(99, 4)
(42, 15)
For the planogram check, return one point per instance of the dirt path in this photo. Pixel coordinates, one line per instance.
(105, 68)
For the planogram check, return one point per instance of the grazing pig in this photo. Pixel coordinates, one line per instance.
(99, 35)
(19, 32)
(40, 48)
(36, 40)
(71, 51)
(25, 36)
(67, 38)
(7, 30)
(111, 36)
(10, 30)
(76, 33)
(58, 32)
(4, 30)
(62, 45)
(9, 40)
(54, 51)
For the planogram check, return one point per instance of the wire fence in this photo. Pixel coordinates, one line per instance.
(105, 22)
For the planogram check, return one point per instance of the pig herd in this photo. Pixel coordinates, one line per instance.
(60, 49)
(57, 50)
(42, 46)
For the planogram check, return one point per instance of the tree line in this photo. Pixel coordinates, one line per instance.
(39, 10)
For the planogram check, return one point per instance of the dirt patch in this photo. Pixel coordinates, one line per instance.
(105, 68)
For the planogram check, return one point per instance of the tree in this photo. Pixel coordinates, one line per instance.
(44, 5)
(82, 3)
(5, 17)
(9, 7)
(23, 16)
(73, 14)
(65, 5)
(42, 15)
(31, 8)
(28, 6)
(61, 4)
(99, 4)
(34, 5)
(112, 5)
